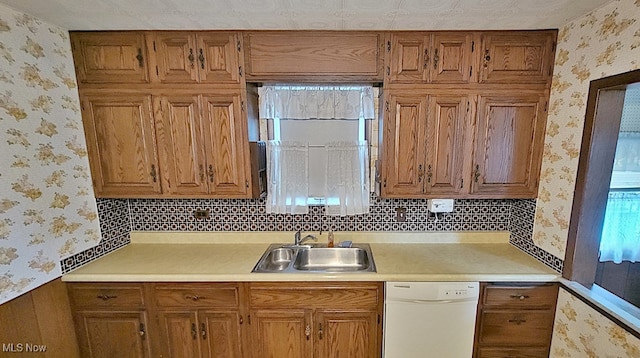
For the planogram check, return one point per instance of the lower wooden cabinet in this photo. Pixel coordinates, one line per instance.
(229, 320)
(198, 319)
(337, 320)
(515, 320)
(111, 320)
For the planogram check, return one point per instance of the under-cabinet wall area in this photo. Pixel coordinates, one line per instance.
(119, 216)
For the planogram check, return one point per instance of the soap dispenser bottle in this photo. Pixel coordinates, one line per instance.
(330, 243)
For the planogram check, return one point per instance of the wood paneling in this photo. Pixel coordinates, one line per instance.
(40, 318)
(623, 280)
(360, 326)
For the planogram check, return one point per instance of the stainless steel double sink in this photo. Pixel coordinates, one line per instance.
(286, 258)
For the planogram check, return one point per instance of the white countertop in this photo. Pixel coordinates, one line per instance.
(399, 256)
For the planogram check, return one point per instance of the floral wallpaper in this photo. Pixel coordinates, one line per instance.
(47, 208)
(579, 332)
(602, 43)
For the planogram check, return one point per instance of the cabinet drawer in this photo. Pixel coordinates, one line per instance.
(106, 295)
(512, 327)
(197, 295)
(534, 296)
(301, 295)
(513, 353)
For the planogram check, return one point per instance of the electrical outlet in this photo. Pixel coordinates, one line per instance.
(401, 214)
(201, 213)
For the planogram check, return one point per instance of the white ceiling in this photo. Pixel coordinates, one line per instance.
(306, 14)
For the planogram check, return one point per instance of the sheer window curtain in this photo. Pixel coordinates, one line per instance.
(287, 171)
(620, 239)
(621, 231)
(347, 178)
(347, 188)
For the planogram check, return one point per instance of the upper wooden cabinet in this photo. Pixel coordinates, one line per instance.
(196, 57)
(203, 144)
(439, 57)
(509, 139)
(110, 57)
(121, 144)
(423, 144)
(517, 57)
(313, 56)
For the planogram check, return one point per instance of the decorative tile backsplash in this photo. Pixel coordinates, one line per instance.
(119, 216)
(115, 224)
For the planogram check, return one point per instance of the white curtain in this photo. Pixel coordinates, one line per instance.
(287, 172)
(621, 230)
(316, 102)
(347, 191)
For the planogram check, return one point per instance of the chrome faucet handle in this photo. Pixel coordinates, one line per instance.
(296, 237)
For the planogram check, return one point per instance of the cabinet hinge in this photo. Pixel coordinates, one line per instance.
(378, 319)
(143, 333)
(470, 70)
(546, 105)
(249, 319)
(242, 106)
(246, 183)
(157, 72)
(388, 71)
(468, 106)
(473, 46)
(154, 46)
(386, 106)
(388, 46)
(239, 48)
(240, 70)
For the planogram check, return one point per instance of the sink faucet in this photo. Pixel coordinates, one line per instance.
(300, 241)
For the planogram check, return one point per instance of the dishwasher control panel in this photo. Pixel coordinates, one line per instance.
(432, 291)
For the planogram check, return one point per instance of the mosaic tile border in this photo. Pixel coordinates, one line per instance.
(115, 225)
(118, 217)
(521, 228)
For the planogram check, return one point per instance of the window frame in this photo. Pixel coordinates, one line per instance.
(601, 129)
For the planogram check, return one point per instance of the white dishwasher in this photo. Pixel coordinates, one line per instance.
(429, 319)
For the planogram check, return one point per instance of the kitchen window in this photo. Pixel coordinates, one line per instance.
(317, 153)
(607, 181)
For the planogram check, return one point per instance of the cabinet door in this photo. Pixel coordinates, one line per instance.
(121, 145)
(181, 144)
(409, 58)
(112, 57)
(226, 145)
(451, 57)
(220, 334)
(445, 144)
(404, 137)
(219, 57)
(281, 333)
(180, 334)
(176, 57)
(108, 334)
(508, 144)
(343, 334)
(517, 57)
